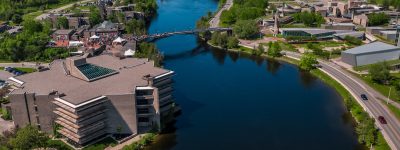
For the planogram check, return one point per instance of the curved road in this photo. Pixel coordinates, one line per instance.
(375, 107)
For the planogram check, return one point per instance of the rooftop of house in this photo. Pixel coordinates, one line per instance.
(371, 48)
(389, 32)
(126, 74)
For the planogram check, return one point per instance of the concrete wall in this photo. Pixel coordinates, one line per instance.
(122, 113)
(18, 110)
(39, 108)
(45, 112)
(348, 59)
(366, 59)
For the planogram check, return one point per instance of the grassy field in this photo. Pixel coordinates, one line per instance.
(27, 70)
(102, 144)
(383, 89)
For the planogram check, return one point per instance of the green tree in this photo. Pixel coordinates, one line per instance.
(62, 23)
(309, 19)
(32, 26)
(274, 49)
(376, 19)
(94, 16)
(245, 28)
(366, 131)
(380, 72)
(29, 137)
(136, 27)
(233, 42)
(308, 61)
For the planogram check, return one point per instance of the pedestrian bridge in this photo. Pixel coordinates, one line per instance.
(167, 34)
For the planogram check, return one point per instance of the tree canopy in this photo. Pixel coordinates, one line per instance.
(380, 72)
(244, 10)
(309, 19)
(274, 49)
(308, 61)
(29, 137)
(245, 28)
(376, 19)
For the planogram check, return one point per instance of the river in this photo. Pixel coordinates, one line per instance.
(233, 101)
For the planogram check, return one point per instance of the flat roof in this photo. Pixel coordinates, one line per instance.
(389, 32)
(315, 30)
(371, 47)
(130, 75)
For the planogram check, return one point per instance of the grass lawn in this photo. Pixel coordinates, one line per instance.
(102, 144)
(394, 109)
(383, 89)
(27, 70)
(58, 144)
(381, 143)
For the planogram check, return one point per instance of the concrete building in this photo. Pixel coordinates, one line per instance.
(311, 32)
(361, 20)
(377, 30)
(370, 53)
(88, 99)
(389, 35)
(339, 26)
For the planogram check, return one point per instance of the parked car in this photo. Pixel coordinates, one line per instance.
(364, 97)
(382, 120)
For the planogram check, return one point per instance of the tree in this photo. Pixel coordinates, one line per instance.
(245, 29)
(121, 17)
(233, 42)
(274, 49)
(308, 61)
(94, 17)
(62, 23)
(376, 19)
(380, 72)
(366, 131)
(136, 27)
(32, 26)
(29, 137)
(309, 19)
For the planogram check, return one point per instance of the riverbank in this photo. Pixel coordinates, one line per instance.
(353, 107)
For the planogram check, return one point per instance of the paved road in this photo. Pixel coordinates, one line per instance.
(373, 106)
(56, 10)
(214, 22)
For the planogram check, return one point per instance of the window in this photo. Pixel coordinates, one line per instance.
(36, 109)
(143, 119)
(143, 110)
(37, 119)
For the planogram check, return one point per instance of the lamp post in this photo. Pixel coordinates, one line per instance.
(387, 101)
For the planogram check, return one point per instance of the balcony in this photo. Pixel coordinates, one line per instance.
(166, 90)
(163, 82)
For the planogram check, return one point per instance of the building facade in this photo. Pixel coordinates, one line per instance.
(87, 99)
(370, 53)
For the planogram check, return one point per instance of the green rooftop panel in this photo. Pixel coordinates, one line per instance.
(93, 72)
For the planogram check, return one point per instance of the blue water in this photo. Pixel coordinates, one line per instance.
(234, 101)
